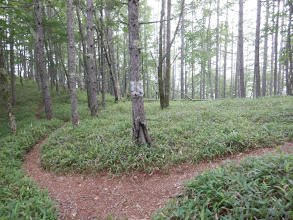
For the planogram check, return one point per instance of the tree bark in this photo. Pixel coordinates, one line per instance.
(139, 126)
(217, 52)
(168, 56)
(12, 58)
(256, 59)
(71, 64)
(42, 62)
(182, 51)
(240, 51)
(276, 52)
(5, 94)
(90, 60)
(265, 56)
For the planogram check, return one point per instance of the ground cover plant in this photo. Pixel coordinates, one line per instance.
(255, 189)
(187, 131)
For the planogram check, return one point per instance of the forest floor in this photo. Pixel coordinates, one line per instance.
(135, 196)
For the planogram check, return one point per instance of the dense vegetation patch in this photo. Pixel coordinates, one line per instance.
(187, 131)
(255, 189)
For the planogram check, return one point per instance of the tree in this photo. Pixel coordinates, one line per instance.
(265, 56)
(139, 126)
(256, 59)
(42, 61)
(240, 51)
(90, 60)
(12, 63)
(71, 64)
(182, 50)
(217, 52)
(5, 93)
(276, 51)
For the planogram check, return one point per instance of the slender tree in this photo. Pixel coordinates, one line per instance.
(182, 50)
(42, 62)
(12, 59)
(139, 126)
(265, 56)
(71, 64)
(240, 51)
(217, 52)
(256, 59)
(276, 52)
(90, 60)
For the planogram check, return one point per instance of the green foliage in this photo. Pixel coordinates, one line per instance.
(20, 198)
(188, 131)
(259, 188)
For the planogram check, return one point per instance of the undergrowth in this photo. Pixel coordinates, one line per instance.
(186, 131)
(259, 188)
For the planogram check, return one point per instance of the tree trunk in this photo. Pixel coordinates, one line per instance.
(12, 68)
(276, 52)
(182, 50)
(103, 66)
(71, 64)
(265, 56)
(168, 56)
(256, 59)
(240, 51)
(139, 126)
(289, 60)
(217, 52)
(90, 60)
(42, 62)
(5, 93)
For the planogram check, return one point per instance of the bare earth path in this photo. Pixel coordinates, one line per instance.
(135, 197)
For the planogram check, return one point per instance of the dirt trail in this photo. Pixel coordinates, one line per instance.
(135, 197)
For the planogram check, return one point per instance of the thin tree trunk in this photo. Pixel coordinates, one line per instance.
(256, 59)
(42, 62)
(240, 51)
(217, 52)
(276, 51)
(12, 68)
(71, 64)
(289, 60)
(168, 56)
(265, 56)
(90, 60)
(232, 66)
(139, 127)
(103, 66)
(182, 50)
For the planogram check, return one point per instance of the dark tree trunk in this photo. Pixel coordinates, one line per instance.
(71, 64)
(139, 127)
(42, 62)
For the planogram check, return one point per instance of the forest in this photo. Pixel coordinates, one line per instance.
(146, 109)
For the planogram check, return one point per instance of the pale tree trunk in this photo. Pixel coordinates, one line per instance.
(276, 51)
(209, 58)
(272, 56)
(182, 50)
(289, 60)
(90, 60)
(12, 57)
(240, 51)
(139, 126)
(71, 64)
(217, 52)
(265, 56)
(5, 93)
(232, 66)
(279, 87)
(225, 55)
(256, 59)
(42, 62)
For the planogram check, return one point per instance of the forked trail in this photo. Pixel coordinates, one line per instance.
(135, 197)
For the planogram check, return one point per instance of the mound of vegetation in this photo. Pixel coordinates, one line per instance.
(255, 189)
(187, 131)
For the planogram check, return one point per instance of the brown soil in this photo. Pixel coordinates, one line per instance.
(135, 197)
(39, 111)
